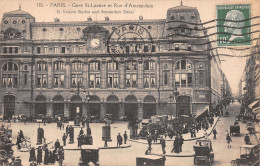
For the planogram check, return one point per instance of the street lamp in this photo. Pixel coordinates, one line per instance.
(88, 114)
(175, 95)
(76, 120)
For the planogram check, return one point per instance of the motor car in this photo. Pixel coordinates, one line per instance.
(234, 130)
(203, 152)
(89, 154)
(249, 156)
(150, 160)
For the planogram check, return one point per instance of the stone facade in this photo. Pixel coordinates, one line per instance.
(54, 67)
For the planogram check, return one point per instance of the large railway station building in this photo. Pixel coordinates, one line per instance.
(135, 68)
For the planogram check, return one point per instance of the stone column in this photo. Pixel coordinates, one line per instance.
(66, 110)
(121, 109)
(85, 74)
(140, 111)
(121, 74)
(33, 109)
(84, 109)
(103, 74)
(67, 73)
(102, 109)
(50, 74)
(140, 73)
(21, 76)
(158, 73)
(50, 109)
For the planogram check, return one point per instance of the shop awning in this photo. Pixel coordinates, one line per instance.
(253, 104)
(257, 109)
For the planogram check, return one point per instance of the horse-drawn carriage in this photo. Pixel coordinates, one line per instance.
(234, 130)
(249, 156)
(203, 152)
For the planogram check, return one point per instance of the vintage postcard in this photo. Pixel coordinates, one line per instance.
(129, 82)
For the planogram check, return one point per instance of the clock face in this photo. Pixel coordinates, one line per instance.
(95, 43)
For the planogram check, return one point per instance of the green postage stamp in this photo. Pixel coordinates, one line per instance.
(234, 25)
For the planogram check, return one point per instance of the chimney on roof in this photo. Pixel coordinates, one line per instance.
(106, 18)
(56, 20)
(141, 18)
(89, 18)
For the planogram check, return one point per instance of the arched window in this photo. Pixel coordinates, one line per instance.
(183, 74)
(10, 75)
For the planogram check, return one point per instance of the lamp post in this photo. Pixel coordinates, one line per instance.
(175, 95)
(88, 114)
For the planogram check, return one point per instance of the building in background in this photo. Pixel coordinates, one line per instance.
(134, 74)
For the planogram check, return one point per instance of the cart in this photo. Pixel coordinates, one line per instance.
(150, 160)
(249, 156)
(203, 152)
(234, 130)
(89, 155)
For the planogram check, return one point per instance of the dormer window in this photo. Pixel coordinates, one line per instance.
(172, 18)
(14, 22)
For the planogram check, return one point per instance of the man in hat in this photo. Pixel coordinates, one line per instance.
(64, 138)
(247, 139)
(163, 144)
(57, 144)
(119, 140)
(125, 137)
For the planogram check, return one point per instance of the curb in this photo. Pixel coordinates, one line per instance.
(192, 139)
(165, 155)
(112, 147)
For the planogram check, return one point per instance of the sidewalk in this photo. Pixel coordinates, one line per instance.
(110, 146)
(186, 137)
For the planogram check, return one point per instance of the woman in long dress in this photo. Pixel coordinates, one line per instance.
(46, 156)
(32, 155)
(39, 155)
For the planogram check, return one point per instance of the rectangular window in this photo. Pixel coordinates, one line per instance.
(10, 50)
(44, 81)
(146, 81)
(73, 81)
(177, 80)
(127, 80)
(165, 79)
(145, 48)
(127, 49)
(176, 46)
(183, 80)
(16, 50)
(153, 48)
(189, 48)
(97, 82)
(81, 50)
(62, 80)
(183, 64)
(91, 80)
(115, 85)
(39, 81)
(4, 80)
(25, 79)
(56, 50)
(152, 65)
(152, 80)
(63, 49)
(79, 80)
(134, 80)
(38, 50)
(201, 78)
(183, 47)
(5, 50)
(189, 79)
(56, 81)
(45, 50)
(109, 80)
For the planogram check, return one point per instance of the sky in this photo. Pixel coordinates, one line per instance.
(232, 67)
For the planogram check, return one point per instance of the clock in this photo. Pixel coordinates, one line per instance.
(95, 43)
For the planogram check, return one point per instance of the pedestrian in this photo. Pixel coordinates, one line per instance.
(67, 130)
(39, 155)
(194, 131)
(215, 133)
(64, 138)
(205, 134)
(81, 131)
(61, 155)
(229, 140)
(149, 140)
(32, 155)
(247, 140)
(18, 141)
(191, 133)
(181, 140)
(105, 145)
(163, 144)
(79, 141)
(125, 137)
(46, 156)
(176, 148)
(119, 140)
(57, 144)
